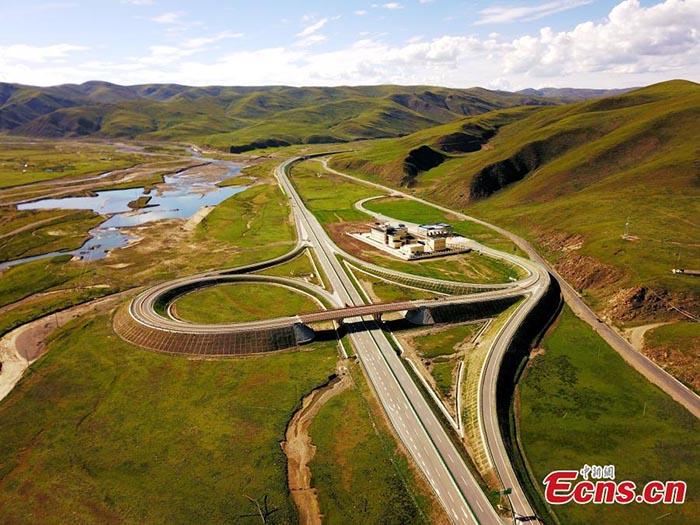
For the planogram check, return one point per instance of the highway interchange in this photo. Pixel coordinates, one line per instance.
(411, 415)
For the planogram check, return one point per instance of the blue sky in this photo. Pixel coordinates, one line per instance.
(510, 45)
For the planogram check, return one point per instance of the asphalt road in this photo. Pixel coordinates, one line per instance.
(412, 418)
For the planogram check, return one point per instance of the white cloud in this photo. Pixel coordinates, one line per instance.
(505, 14)
(632, 39)
(172, 17)
(310, 29)
(392, 6)
(196, 43)
(634, 45)
(38, 54)
(310, 40)
(138, 2)
(360, 12)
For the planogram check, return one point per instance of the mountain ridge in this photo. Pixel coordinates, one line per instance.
(607, 189)
(241, 116)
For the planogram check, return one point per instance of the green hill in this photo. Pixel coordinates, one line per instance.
(243, 117)
(569, 178)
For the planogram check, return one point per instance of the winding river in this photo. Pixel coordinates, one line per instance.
(180, 196)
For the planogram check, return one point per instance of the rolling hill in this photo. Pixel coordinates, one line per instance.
(570, 178)
(243, 117)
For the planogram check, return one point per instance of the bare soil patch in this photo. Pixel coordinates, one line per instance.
(300, 450)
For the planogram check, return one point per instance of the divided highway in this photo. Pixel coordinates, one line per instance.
(411, 415)
(413, 419)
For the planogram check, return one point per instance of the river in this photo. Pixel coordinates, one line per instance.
(179, 196)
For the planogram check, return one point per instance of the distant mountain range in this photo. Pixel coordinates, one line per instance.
(248, 117)
(573, 94)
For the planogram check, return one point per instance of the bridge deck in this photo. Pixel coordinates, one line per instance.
(337, 314)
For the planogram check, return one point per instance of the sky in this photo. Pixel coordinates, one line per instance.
(509, 44)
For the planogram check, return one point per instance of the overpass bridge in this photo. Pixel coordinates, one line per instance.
(141, 324)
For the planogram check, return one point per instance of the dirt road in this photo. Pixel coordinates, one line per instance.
(24, 345)
(300, 451)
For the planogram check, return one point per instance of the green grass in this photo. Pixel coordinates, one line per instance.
(256, 221)
(35, 308)
(389, 292)
(419, 213)
(26, 279)
(100, 431)
(49, 160)
(443, 342)
(139, 203)
(464, 268)
(358, 471)
(12, 220)
(443, 374)
(298, 268)
(329, 197)
(676, 347)
(66, 232)
(580, 403)
(242, 302)
(262, 170)
(236, 182)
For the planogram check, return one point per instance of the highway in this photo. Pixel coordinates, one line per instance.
(641, 363)
(412, 418)
(410, 414)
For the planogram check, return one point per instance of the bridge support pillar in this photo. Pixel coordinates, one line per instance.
(377, 317)
(421, 316)
(303, 333)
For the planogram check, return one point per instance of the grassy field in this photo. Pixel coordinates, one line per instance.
(26, 279)
(387, 291)
(236, 181)
(242, 302)
(360, 475)
(465, 268)
(100, 431)
(676, 347)
(580, 403)
(442, 370)
(45, 232)
(39, 306)
(299, 268)
(23, 162)
(255, 221)
(331, 198)
(443, 342)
